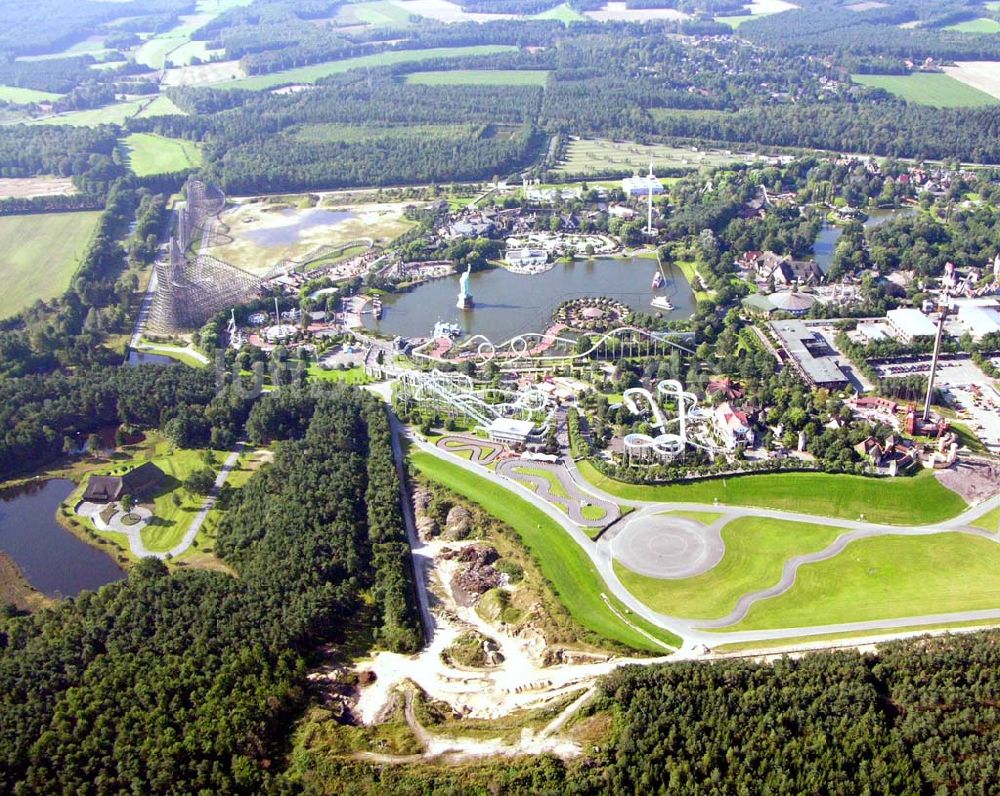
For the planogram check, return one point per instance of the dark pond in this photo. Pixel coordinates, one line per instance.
(52, 559)
(507, 304)
(298, 221)
(826, 241)
(146, 358)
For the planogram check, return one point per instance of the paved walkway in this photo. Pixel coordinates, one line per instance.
(480, 451)
(572, 502)
(697, 632)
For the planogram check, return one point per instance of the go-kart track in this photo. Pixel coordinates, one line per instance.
(668, 546)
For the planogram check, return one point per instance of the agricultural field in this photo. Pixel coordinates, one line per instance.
(383, 13)
(936, 90)
(899, 501)
(564, 13)
(24, 96)
(887, 577)
(41, 253)
(310, 74)
(149, 153)
(981, 75)
(982, 25)
(756, 551)
(570, 572)
(328, 133)
(117, 113)
(156, 51)
(263, 234)
(203, 74)
(160, 106)
(618, 11)
(480, 77)
(585, 157)
(31, 187)
(444, 11)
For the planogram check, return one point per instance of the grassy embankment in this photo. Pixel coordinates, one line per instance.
(41, 253)
(573, 577)
(900, 501)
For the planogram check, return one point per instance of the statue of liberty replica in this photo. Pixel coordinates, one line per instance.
(464, 296)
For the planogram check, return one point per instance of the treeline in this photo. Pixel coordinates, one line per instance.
(63, 151)
(188, 683)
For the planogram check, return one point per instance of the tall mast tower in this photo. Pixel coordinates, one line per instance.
(943, 310)
(649, 210)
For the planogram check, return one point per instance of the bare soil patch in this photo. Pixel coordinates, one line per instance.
(974, 479)
(984, 75)
(31, 187)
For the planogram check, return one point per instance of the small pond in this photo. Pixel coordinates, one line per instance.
(826, 241)
(52, 559)
(145, 358)
(284, 227)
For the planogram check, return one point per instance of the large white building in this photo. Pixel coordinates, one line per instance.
(526, 257)
(910, 324)
(510, 431)
(640, 185)
(979, 320)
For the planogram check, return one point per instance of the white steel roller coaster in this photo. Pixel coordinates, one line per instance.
(457, 393)
(693, 425)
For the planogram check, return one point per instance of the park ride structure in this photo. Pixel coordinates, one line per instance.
(534, 351)
(457, 394)
(192, 286)
(694, 425)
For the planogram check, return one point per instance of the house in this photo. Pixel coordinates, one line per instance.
(892, 456)
(732, 425)
(108, 488)
(522, 258)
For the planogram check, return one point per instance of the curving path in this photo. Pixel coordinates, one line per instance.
(698, 632)
(571, 502)
(480, 451)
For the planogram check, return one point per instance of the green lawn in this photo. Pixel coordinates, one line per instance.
(756, 551)
(355, 375)
(40, 254)
(937, 90)
(894, 501)
(572, 575)
(704, 517)
(887, 577)
(980, 25)
(555, 487)
(989, 521)
(480, 77)
(564, 13)
(22, 96)
(149, 153)
(690, 271)
(310, 74)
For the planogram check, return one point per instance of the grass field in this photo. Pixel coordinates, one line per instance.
(887, 577)
(22, 96)
(893, 501)
(480, 77)
(354, 375)
(989, 521)
(40, 255)
(756, 551)
(564, 13)
(160, 106)
(980, 25)
(607, 158)
(310, 74)
(690, 271)
(327, 132)
(573, 577)
(149, 153)
(936, 90)
(377, 12)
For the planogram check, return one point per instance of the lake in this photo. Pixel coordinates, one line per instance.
(145, 358)
(826, 241)
(507, 304)
(52, 559)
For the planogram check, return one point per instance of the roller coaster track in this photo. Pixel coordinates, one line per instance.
(321, 253)
(519, 349)
(667, 444)
(457, 392)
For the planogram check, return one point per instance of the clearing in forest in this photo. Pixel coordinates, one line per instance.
(981, 25)
(310, 74)
(927, 88)
(584, 157)
(23, 96)
(40, 255)
(480, 77)
(149, 153)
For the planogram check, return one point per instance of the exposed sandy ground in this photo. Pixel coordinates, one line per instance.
(30, 187)
(203, 74)
(443, 11)
(382, 222)
(770, 6)
(617, 12)
(984, 75)
(973, 479)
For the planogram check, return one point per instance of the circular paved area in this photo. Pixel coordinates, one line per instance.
(664, 546)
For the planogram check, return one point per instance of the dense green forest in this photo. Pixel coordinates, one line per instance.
(187, 682)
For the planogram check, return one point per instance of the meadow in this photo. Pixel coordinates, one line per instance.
(892, 501)
(40, 255)
(480, 77)
(887, 577)
(756, 550)
(118, 113)
(584, 157)
(982, 25)
(23, 96)
(936, 90)
(149, 153)
(571, 573)
(310, 74)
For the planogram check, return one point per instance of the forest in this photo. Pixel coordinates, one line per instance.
(187, 682)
